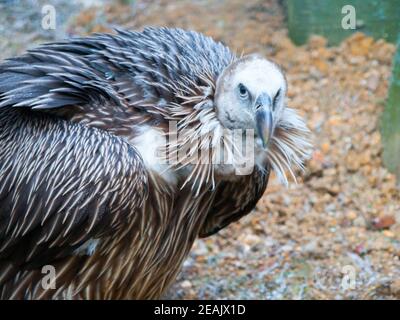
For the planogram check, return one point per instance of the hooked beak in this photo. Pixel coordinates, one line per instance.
(264, 119)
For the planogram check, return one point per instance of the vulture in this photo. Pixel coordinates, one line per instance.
(118, 150)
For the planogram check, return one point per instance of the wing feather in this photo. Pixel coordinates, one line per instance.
(61, 185)
(235, 200)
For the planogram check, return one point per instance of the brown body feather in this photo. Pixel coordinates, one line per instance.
(70, 177)
(142, 244)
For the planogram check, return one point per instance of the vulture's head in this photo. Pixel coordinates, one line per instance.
(250, 94)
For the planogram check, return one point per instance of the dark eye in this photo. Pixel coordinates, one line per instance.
(276, 98)
(243, 91)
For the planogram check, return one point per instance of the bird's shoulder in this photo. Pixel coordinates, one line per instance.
(62, 184)
(129, 67)
(113, 81)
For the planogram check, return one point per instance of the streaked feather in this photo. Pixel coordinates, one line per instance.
(69, 114)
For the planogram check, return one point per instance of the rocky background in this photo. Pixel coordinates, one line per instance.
(342, 218)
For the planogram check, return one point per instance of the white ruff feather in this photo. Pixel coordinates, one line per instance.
(202, 139)
(291, 145)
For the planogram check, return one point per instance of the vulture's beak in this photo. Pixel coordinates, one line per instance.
(264, 118)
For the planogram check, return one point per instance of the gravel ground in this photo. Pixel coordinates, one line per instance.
(342, 220)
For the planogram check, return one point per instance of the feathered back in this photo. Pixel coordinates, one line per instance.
(119, 82)
(141, 69)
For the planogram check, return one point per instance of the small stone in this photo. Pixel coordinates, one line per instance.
(383, 222)
(395, 288)
(310, 247)
(359, 222)
(360, 249)
(388, 233)
(351, 215)
(317, 42)
(243, 248)
(186, 284)
(325, 147)
(373, 82)
(287, 248)
(250, 239)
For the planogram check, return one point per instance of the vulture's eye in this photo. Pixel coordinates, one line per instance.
(244, 94)
(276, 99)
